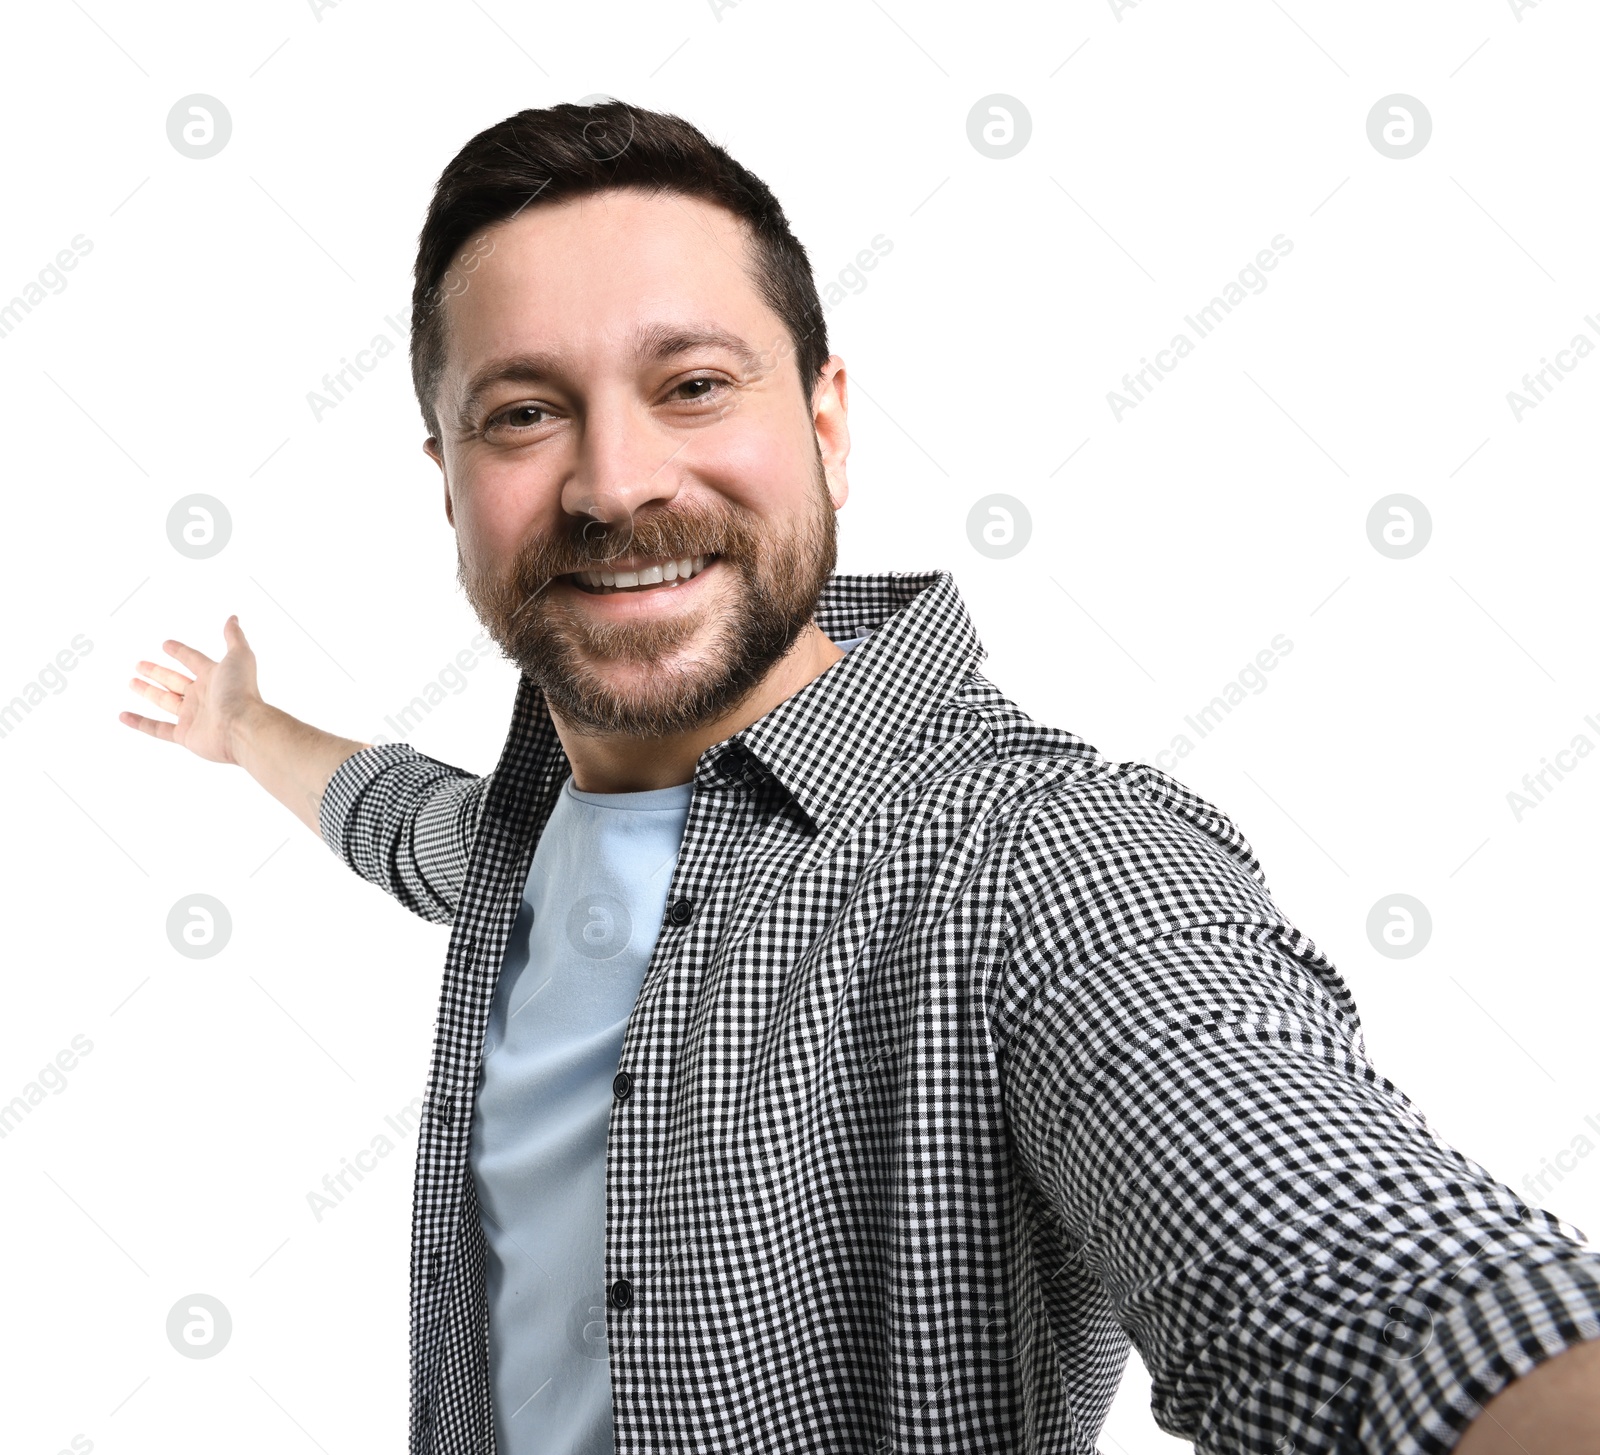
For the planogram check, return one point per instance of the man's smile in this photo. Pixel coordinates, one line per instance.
(640, 576)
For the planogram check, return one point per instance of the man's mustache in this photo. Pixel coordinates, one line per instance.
(545, 567)
(599, 548)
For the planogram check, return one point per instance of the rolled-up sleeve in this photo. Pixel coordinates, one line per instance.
(1522, 1311)
(405, 822)
(1302, 1264)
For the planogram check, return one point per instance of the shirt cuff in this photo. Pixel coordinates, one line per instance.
(349, 781)
(1422, 1403)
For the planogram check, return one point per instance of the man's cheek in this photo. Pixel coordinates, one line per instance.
(499, 494)
(749, 464)
(494, 534)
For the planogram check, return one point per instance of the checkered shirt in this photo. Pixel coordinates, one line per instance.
(965, 1059)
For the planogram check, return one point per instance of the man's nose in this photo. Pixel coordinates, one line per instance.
(625, 460)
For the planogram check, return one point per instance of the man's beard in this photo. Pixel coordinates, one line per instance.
(774, 584)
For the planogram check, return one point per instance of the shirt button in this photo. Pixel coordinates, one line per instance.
(622, 1085)
(680, 911)
(621, 1293)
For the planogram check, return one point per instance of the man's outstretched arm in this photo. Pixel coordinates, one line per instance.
(291, 759)
(399, 819)
(1302, 1264)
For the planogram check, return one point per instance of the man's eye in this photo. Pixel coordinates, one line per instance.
(518, 416)
(712, 385)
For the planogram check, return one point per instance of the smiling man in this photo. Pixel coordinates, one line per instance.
(829, 1056)
(644, 510)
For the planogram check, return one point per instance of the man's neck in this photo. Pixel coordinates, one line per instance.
(633, 765)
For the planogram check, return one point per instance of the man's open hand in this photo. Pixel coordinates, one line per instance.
(209, 705)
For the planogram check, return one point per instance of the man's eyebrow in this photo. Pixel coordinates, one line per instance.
(653, 343)
(658, 342)
(520, 368)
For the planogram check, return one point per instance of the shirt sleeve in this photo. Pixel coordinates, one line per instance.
(1302, 1264)
(405, 822)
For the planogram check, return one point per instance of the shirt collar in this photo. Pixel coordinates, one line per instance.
(819, 743)
(841, 727)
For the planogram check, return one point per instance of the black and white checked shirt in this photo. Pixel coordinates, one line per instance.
(965, 1058)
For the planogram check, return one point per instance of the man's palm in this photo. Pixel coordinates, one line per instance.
(207, 705)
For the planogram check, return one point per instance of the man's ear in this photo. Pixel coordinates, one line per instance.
(430, 447)
(830, 408)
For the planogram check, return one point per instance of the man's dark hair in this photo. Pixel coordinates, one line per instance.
(567, 150)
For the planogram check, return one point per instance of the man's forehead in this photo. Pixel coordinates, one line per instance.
(567, 251)
(631, 221)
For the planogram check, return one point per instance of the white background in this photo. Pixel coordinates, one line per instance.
(1170, 143)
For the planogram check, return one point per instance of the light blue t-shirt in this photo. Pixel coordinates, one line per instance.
(591, 911)
(578, 952)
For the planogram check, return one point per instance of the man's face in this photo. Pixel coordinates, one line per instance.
(590, 424)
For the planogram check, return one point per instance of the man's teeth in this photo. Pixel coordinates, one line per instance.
(652, 575)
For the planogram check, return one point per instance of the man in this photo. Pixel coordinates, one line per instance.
(829, 1056)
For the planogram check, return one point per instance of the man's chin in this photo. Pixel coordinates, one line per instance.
(639, 689)
(633, 706)
(629, 658)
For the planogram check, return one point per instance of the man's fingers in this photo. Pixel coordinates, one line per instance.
(166, 701)
(173, 681)
(192, 659)
(162, 730)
